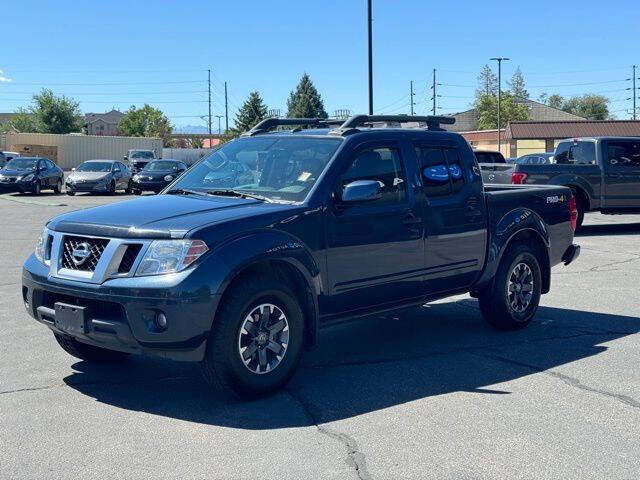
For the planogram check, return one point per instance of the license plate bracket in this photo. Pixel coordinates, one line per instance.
(71, 318)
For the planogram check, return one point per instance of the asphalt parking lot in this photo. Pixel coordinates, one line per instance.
(427, 393)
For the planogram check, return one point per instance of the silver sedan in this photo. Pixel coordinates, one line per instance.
(103, 176)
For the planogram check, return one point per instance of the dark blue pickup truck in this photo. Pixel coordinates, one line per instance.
(330, 222)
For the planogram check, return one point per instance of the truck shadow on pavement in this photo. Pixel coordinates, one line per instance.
(368, 365)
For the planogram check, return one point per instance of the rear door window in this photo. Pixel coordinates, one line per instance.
(623, 154)
(579, 153)
(434, 170)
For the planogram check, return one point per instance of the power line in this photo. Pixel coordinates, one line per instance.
(576, 84)
(109, 83)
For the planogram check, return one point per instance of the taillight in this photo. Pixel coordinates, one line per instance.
(518, 178)
(574, 212)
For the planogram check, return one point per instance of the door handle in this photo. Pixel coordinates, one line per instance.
(411, 219)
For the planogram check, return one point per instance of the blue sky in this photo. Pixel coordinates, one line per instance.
(120, 53)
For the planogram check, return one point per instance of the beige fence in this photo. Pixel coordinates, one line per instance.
(71, 150)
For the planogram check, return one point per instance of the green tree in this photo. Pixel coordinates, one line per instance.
(487, 82)
(556, 101)
(145, 122)
(591, 106)
(22, 121)
(48, 113)
(305, 101)
(517, 86)
(252, 111)
(487, 108)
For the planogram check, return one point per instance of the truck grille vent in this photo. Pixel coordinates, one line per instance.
(82, 253)
(129, 257)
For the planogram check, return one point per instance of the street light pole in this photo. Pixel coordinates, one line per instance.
(219, 117)
(370, 34)
(499, 60)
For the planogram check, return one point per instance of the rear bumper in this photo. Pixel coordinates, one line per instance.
(571, 253)
(123, 318)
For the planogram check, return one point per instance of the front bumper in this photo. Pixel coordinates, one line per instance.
(120, 313)
(7, 187)
(87, 187)
(571, 253)
(149, 185)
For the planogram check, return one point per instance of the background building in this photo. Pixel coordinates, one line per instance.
(467, 121)
(103, 123)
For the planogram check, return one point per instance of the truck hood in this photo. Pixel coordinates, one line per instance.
(160, 216)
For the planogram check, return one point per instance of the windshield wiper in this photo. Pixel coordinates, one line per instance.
(238, 193)
(183, 191)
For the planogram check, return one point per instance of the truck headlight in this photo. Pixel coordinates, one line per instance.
(168, 178)
(41, 245)
(170, 256)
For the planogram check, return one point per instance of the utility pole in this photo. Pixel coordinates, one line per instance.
(370, 33)
(226, 108)
(433, 86)
(209, 82)
(411, 95)
(634, 92)
(219, 117)
(499, 60)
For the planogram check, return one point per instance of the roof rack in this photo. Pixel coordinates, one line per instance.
(270, 123)
(433, 122)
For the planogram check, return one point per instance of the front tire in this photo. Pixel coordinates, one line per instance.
(86, 352)
(112, 188)
(58, 187)
(512, 301)
(256, 339)
(37, 188)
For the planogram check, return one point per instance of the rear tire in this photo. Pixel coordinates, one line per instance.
(512, 301)
(262, 371)
(581, 207)
(86, 352)
(71, 193)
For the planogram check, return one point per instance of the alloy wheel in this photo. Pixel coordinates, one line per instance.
(263, 338)
(520, 287)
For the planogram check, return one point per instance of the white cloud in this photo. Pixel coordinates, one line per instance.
(4, 79)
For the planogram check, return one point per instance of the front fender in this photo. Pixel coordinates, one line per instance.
(502, 232)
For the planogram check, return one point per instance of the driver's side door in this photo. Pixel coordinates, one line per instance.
(375, 251)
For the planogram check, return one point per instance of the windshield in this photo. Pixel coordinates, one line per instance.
(21, 164)
(160, 166)
(94, 167)
(144, 154)
(282, 169)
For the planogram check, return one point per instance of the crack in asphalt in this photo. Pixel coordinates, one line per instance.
(599, 268)
(571, 381)
(355, 457)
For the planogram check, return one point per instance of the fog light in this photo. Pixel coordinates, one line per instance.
(161, 321)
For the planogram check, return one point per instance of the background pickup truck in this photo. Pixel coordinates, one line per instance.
(602, 172)
(494, 167)
(332, 224)
(138, 159)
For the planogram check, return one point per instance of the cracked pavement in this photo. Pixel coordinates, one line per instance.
(424, 393)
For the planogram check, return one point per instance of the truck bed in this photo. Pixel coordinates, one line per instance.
(509, 206)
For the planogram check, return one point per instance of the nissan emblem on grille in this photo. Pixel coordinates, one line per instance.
(80, 254)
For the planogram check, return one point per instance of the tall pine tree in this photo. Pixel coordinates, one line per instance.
(252, 111)
(305, 101)
(516, 85)
(487, 82)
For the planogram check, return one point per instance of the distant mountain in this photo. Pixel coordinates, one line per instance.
(191, 129)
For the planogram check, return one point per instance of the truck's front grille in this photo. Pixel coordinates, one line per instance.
(82, 253)
(129, 257)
